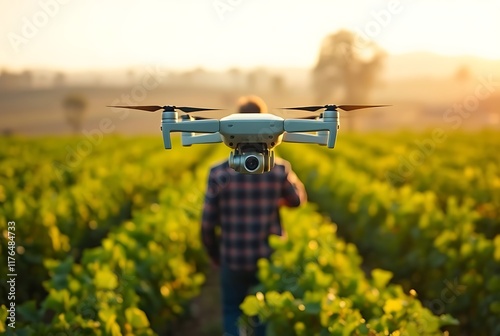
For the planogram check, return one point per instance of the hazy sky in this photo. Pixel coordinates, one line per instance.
(78, 34)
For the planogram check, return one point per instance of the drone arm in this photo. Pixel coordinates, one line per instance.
(320, 138)
(200, 126)
(300, 125)
(189, 139)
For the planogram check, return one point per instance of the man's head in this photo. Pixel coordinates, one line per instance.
(251, 104)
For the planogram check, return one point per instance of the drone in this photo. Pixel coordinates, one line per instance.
(251, 136)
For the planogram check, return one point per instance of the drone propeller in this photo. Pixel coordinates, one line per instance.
(167, 108)
(314, 108)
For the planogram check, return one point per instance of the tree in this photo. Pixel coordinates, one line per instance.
(235, 75)
(463, 74)
(255, 79)
(131, 76)
(462, 78)
(74, 106)
(278, 84)
(252, 80)
(59, 80)
(349, 65)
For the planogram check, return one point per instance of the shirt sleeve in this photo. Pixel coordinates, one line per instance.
(210, 219)
(293, 191)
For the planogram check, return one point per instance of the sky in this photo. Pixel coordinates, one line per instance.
(220, 34)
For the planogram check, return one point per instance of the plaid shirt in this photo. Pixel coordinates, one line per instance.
(246, 206)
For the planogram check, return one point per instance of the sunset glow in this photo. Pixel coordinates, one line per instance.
(75, 35)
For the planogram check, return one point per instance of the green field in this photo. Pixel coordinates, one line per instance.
(401, 237)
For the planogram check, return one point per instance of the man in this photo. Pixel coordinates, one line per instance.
(246, 206)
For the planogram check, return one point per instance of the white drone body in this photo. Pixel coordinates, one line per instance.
(251, 136)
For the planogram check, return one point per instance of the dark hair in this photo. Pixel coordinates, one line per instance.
(251, 104)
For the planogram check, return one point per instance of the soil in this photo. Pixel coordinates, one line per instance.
(205, 311)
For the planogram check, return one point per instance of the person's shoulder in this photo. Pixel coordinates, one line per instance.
(282, 165)
(218, 167)
(220, 164)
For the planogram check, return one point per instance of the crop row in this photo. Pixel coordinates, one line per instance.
(459, 164)
(114, 239)
(75, 239)
(314, 285)
(434, 247)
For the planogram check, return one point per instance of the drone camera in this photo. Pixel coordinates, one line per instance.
(252, 163)
(251, 159)
(247, 163)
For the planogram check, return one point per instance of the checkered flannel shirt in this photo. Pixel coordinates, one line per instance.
(246, 206)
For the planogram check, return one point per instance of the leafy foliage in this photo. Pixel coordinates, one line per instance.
(110, 237)
(314, 285)
(146, 263)
(430, 227)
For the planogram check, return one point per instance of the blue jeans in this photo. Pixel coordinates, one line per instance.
(235, 285)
